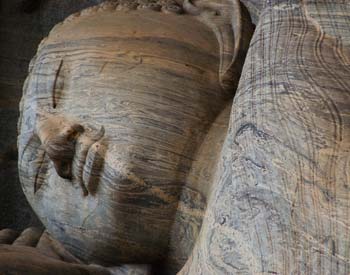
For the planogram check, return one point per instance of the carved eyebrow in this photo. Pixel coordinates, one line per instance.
(54, 95)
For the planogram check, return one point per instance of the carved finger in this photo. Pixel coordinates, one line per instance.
(7, 236)
(44, 246)
(93, 166)
(29, 237)
(54, 249)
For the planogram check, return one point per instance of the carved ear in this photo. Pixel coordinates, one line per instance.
(233, 29)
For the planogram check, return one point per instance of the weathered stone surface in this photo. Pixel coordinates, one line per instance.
(123, 117)
(281, 201)
(278, 201)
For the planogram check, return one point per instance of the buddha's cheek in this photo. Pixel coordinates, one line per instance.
(133, 186)
(125, 219)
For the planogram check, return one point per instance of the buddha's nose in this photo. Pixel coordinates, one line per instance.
(67, 145)
(58, 139)
(61, 149)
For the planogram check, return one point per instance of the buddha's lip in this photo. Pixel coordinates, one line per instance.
(85, 161)
(86, 171)
(92, 165)
(78, 167)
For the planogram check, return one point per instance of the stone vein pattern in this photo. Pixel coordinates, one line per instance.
(123, 116)
(281, 200)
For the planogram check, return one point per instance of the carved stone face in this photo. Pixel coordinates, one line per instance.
(115, 105)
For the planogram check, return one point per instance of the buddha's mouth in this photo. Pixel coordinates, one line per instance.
(88, 162)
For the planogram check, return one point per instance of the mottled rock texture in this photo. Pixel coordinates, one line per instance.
(280, 204)
(123, 117)
(277, 203)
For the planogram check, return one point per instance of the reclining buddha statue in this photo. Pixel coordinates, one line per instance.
(139, 156)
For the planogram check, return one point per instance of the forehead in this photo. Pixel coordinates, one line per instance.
(133, 37)
(116, 51)
(106, 25)
(120, 68)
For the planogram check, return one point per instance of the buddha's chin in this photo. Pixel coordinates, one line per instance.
(93, 228)
(102, 244)
(125, 220)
